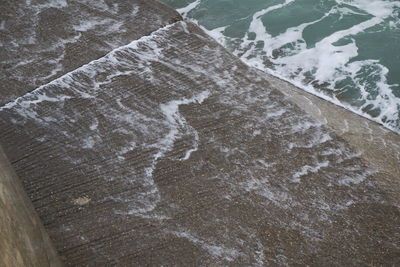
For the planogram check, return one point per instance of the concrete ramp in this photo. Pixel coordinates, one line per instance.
(43, 39)
(169, 151)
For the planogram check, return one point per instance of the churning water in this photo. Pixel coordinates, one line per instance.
(346, 51)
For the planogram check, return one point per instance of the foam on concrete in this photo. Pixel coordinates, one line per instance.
(41, 40)
(169, 150)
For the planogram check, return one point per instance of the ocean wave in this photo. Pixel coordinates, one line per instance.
(333, 49)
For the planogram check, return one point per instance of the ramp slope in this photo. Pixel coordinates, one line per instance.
(43, 39)
(171, 151)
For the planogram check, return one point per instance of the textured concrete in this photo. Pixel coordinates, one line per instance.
(377, 145)
(170, 151)
(41, 40)
(23, 240)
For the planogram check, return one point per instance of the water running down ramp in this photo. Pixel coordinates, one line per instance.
(236, 156)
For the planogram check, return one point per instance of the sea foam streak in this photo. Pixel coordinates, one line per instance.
(332, 67)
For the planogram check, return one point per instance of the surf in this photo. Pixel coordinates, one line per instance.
(346, 52)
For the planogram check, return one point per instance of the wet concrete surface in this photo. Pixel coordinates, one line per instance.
(379, 146)
(170, 151)
(41, 40)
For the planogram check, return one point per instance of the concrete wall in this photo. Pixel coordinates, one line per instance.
(23, 240)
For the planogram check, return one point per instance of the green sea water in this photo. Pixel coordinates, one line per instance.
(346, 51)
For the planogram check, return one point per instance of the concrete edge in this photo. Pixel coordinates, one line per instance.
(378, 146)
(24, 240)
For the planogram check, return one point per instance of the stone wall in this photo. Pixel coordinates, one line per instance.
(23, 240)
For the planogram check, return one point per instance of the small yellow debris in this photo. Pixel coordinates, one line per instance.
(81, 201)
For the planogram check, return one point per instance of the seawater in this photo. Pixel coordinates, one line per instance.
(346, 51)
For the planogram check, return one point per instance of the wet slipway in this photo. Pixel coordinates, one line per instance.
(142, 142)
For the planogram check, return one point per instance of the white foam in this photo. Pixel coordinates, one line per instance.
(39, 94)
(261, 187)
(162, 126)
(185, 10)
(325, 59)
(53, 4)
(2, 25)
(305, 170)
(277, 113)
(176, 120)
(136, 9)
(94, 125)
(257, 26)
(217, 34)
(219, 251)
(88, 143)
(377, 8)
(316, 139)
(86, 25)
(355, 178)
(328, 62)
